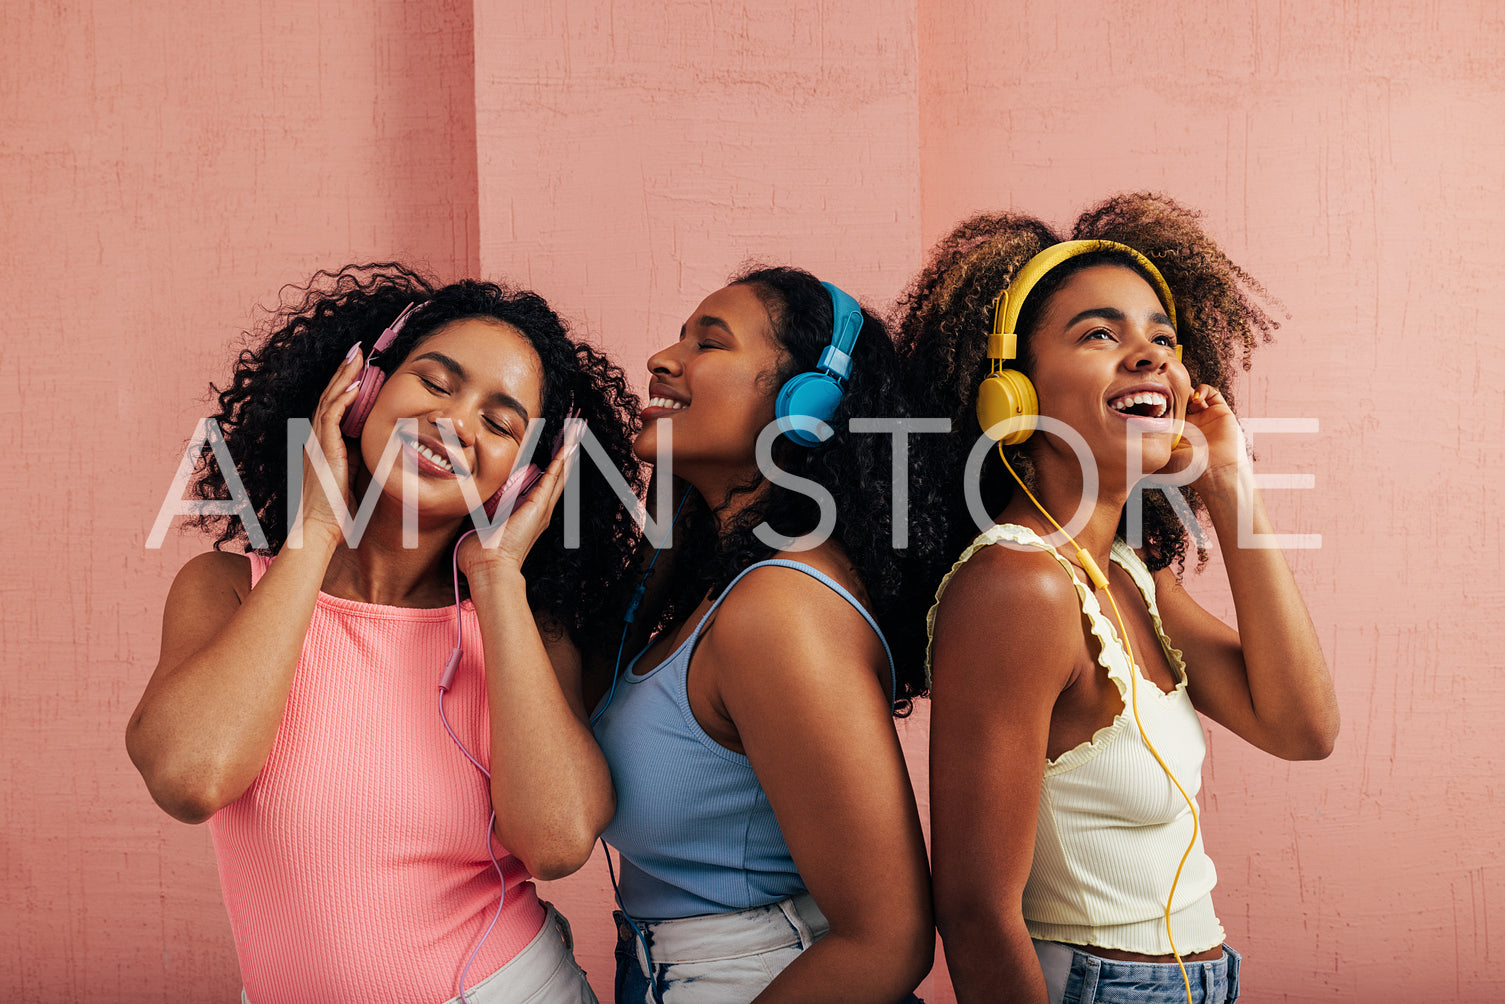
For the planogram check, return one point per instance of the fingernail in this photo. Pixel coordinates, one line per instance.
(352, 387)
(354, 351)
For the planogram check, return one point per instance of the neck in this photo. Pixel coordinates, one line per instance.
(722, 495)
(380, 570)
(1061, 492)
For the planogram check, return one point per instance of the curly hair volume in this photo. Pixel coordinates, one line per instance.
(282, 375)
(946, 313)
(856, 468)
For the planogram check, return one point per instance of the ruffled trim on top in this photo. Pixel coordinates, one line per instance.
(1130, 562)
(1110, 651)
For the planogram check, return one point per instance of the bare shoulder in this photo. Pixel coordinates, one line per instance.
(786, 621)
(206, 594)
(785, 598)
(1008, 616)
(213, 576)
(1001, 586)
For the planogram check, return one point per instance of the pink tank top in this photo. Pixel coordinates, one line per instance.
(355, 867)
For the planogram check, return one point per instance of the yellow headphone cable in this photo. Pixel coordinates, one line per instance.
(1095, 574)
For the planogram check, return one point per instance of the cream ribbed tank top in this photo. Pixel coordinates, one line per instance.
(1111, 826)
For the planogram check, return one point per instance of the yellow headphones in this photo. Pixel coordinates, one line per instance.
(1007, 394)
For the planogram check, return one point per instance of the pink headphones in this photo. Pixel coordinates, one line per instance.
(372, 377)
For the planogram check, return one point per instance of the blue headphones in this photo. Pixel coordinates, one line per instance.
(815, 395)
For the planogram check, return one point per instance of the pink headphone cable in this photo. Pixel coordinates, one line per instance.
(444, 683)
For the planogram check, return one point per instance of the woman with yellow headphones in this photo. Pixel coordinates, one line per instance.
(1068, 663)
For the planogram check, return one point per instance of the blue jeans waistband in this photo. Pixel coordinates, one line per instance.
(1073, 975)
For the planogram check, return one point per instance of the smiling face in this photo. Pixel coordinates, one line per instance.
(714, 386)
(1104, 362)
(485, 379)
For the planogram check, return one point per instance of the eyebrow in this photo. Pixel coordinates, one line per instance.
(496, 397)
(1114, 314)
(711, 321)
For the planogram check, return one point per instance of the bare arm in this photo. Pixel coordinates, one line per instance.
(205, 724)
(550, 785)
(805, 682)
(1267, 681)
(1007, 637)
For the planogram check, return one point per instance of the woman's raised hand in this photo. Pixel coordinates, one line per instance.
(1210, 415)
(505, 545)
(338, 395)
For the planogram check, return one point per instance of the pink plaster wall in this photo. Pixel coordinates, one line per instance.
(164, 168)
(631, 155)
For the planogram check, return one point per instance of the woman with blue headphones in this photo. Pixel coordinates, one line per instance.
(769, 841)
(383, 723)
(1068, 664)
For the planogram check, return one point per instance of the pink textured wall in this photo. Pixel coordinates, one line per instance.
(632, 155)
(163, 167)
(1348, 155)
(164, 170)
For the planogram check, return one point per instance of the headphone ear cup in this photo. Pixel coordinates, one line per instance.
(1008, 396)
(809, 396)
(354, 420)
(517, 486)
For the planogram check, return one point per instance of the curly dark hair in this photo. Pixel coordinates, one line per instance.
(282, 374)
(856, 468)
(946, 313)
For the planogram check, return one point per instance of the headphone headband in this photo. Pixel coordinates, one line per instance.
(812, 397)
(1007, 398)
(846, 323)
(1003, 343)
(395, 328)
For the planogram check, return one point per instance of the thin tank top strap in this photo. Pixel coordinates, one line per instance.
(259, 565)
(830, 583)
(1123, 555)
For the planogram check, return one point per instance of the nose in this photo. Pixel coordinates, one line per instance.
(665, 361)
(456, 418)
(1145, 355)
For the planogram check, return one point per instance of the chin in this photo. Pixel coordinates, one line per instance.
(645, 446)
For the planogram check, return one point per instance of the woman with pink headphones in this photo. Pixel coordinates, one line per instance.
(1069, 665)
(383, 722)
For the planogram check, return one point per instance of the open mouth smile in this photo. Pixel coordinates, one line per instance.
(431, 460)
(665, 402)
(1142, 404)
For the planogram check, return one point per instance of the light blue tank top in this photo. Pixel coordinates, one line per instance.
(694, 829)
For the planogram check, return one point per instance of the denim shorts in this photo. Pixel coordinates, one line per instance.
(723, 958)
(1075, 976)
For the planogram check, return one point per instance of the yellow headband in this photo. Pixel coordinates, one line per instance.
(1003, 343)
